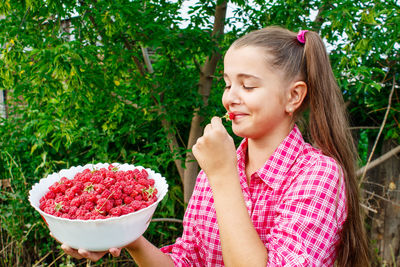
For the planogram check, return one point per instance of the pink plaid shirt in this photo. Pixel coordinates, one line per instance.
(296, 202)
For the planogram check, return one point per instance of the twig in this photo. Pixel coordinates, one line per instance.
(368, 208)
(379, 134)
(62, 254)
(378, 161)
(167, 220)
(363, 127)
(126, 101)
(380, 197)
(45, 256)
(9, 244)
(146, 58)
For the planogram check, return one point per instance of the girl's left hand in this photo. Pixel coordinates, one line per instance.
(93, 256)
(90, 255)
(215, 151)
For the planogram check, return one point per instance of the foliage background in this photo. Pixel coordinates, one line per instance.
(79, 91)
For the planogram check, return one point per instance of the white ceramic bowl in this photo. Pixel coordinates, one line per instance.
(101, 234)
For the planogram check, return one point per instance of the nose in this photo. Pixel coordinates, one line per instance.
(231, 96)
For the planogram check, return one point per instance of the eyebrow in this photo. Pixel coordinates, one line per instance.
(244, 75)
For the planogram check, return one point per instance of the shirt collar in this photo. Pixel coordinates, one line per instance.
(275, 169)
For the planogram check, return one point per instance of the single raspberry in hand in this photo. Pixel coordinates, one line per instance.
(229, 116)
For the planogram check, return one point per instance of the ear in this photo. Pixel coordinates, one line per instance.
(295, 96)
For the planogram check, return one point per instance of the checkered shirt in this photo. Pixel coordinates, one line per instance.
(296, 202)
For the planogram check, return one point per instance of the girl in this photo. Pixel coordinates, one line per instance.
(276, 200)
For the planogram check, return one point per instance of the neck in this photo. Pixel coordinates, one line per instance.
(259, 150)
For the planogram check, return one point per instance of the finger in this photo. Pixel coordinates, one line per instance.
(70, 251)
(207, 129)
(216, 119)
(115, 252)
(93, 256)
(216, 123)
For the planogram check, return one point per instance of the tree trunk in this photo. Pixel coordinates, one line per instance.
(205, 83)
(382, 186)
(391, 236)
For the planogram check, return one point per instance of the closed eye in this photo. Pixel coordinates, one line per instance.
(248, 87)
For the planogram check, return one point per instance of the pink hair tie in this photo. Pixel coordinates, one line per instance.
(301, 36)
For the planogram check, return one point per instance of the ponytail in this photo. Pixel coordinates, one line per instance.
(306, 58)
(329, 129)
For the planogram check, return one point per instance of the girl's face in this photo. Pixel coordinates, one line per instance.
(255, 93)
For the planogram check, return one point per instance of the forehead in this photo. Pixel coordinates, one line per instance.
(246, 62)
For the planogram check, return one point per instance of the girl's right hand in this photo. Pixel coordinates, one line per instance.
(91, 255)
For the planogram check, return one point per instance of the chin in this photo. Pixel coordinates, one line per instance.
(239, 133)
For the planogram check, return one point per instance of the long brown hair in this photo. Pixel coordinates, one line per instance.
(327, 123)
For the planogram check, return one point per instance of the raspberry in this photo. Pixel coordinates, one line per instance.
(116, 211)
(128, 200)
(69, 194)
(118, 202)
(135, 205)
(63, 180)
(151, 182)
(66, 216)
(49, 210)
(80, 212)
(65, 208)
(144, 173)
(72, 210)
(139, 187)
(104, 205)
(106, 193)
(49, 202)
(99, 188)
(61, 188)
(229, 116)
(110, 174)
(96, 178)
(128, 189)
(50, 195)
(76, 201)
(143, 182)
(89, 205)
(108, 182)
(76, 189)
(136, 173)
(59, 198)
(88, 187)
(134, 193)
(126, 209)
(117, 194)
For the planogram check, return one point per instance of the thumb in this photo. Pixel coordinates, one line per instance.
(115, 252)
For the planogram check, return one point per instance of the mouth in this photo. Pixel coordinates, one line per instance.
(238, 115)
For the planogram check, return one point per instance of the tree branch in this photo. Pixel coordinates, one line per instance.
(380, 131)
(167, 220)
(378, 161)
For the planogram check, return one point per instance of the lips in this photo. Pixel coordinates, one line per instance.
(237, 115)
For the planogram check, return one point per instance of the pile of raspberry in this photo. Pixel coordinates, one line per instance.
(99, 194)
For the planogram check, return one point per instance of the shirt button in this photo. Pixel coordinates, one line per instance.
(301, 259)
